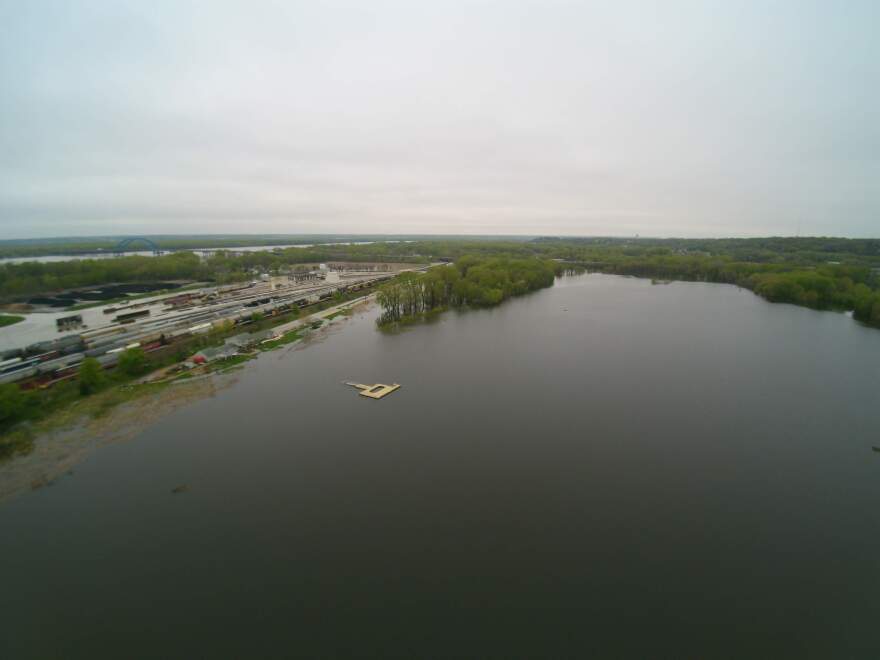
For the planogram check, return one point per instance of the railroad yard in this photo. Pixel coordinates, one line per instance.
(156, 323)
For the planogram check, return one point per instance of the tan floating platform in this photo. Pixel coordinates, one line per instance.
(376, 391)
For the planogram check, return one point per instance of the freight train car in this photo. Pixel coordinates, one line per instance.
(131, 317)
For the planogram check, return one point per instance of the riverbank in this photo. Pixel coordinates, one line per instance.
(52, 447)
(274, 312)
(49, 448)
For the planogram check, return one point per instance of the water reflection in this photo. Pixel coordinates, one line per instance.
(602, 469)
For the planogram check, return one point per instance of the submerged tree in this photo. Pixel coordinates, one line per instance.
(473, 281)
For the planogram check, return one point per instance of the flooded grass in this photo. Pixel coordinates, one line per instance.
(288, 338)
(9, 319)
(234, 362)
(42, 450)
(45, 450)
(348, 311)
(21, 441)
(18, 443)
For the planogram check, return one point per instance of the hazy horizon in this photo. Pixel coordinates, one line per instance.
(418, 236)
(686, 119)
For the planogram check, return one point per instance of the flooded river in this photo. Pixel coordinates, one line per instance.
(603, 469)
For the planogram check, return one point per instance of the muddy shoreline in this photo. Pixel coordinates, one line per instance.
(59, 449)
(57, 452)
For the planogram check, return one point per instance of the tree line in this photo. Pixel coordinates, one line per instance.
(37, 247)
(822, 273)
(826, 286)
(31, 278)
(472, 281)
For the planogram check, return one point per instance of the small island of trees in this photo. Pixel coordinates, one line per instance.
(471, 281)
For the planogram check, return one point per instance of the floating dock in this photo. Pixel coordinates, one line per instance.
(376, 391)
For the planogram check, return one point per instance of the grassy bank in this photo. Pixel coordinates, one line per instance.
(342, 312)
(283, 340)
(24, 414)
(10, 319)
(66, 408)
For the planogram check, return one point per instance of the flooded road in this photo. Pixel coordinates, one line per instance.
(603, 469)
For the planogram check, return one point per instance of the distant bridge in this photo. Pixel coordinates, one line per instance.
(125, 244)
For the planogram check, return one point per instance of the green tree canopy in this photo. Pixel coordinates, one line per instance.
(132, 362)
(91, 376)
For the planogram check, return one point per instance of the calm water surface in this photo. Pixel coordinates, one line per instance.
(606, 468)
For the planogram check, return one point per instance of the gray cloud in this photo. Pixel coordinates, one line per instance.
(679, 118)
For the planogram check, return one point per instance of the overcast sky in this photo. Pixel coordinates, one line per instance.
(726, 118)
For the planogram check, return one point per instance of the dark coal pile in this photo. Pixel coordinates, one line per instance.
(108, 292)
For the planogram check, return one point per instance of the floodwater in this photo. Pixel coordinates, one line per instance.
(603, 469)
